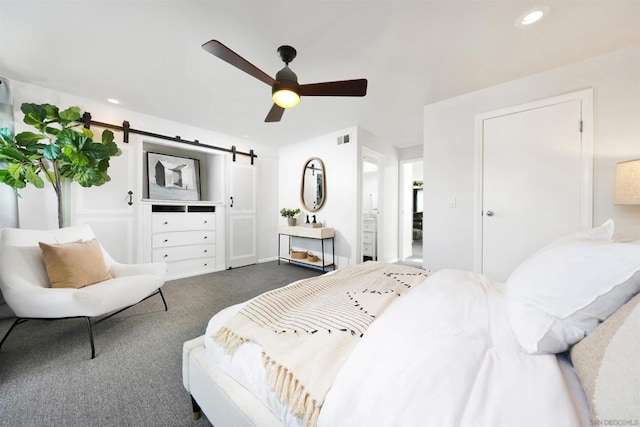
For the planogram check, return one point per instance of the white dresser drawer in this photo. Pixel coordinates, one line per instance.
(177, 253)
(190, 266)
(368, 237)
(179, 238)
(367, 249)
(164, 222)
(369, 226)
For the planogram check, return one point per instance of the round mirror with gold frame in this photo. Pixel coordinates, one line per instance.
(313, 187)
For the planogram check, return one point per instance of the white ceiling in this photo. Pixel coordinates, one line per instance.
(148, 54)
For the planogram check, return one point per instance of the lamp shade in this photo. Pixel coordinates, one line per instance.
(627, 191)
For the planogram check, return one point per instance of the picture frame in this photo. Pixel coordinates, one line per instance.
(172, 177)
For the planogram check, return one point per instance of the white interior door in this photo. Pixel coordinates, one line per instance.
(242, 215)
(533, 182)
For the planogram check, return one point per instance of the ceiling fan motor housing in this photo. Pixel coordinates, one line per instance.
(286, 79)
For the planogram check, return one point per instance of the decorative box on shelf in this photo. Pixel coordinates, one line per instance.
(311, 225)
(325, 235)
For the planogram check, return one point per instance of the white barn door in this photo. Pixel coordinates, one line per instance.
(110, 208)
(241, 220)
(535, 182)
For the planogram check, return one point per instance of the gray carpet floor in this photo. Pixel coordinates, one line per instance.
(48, 379)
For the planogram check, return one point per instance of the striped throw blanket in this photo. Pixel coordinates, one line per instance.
(308, 329)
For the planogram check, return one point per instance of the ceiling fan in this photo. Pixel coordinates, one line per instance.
(285, 90)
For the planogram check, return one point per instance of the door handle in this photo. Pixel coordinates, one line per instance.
(490, 213)
(231, 202)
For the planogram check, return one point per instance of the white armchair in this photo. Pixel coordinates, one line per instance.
(26, 289)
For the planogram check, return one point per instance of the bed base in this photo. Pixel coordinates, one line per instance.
(223, 400)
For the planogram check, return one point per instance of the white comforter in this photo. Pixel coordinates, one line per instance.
(441, 355)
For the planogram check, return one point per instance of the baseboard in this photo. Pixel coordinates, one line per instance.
(260, 261)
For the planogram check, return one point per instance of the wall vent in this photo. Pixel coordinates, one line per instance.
(344, 139)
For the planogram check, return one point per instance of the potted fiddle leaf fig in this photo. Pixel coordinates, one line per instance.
(61, 149)
(290, 215)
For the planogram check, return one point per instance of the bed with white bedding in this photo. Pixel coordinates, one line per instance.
(453, 349)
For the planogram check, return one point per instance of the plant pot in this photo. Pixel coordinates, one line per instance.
(291, 221)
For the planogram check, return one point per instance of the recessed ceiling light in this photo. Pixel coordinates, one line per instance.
(113, 101)
(532, 16)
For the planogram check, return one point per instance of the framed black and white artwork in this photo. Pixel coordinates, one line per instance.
(173, 177)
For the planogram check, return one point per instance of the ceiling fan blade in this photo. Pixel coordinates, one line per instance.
(216, 48)
(340, 88)
(275, 114)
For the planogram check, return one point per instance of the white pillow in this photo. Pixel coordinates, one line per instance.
(562, 292)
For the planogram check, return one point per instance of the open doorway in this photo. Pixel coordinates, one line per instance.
(411, 212)
(370, 210)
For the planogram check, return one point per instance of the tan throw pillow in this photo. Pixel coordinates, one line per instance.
(74, 264)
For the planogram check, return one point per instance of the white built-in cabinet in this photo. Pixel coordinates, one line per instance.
(216, 231)
(184, 236)
(370, 237)
(189, 235)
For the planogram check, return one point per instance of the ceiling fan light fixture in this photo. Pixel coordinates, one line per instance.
(285, 92)
(286, 98)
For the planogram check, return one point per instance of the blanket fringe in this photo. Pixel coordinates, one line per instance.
(228, 339)
(280, 379)
(291, 391)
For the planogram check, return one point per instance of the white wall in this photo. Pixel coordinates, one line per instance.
(340, 209)
(411, 153)
(37, 208)
(344, 205)
(449, 147)
(370, 191)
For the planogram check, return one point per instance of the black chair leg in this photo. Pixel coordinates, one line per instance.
(13, 325)
(88, 319)
(163, 300)
(93, 348)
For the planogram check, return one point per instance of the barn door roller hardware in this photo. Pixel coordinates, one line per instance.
(87, 121)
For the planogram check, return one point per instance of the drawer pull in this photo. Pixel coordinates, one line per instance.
(205, 264)
(165, 256)
(166, 222)
(206, 250)
(206, 237)
(166, 240)
(205, 221)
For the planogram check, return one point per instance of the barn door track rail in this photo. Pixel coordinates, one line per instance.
(87, 121)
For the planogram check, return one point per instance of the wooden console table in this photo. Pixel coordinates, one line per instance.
(321, 233)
